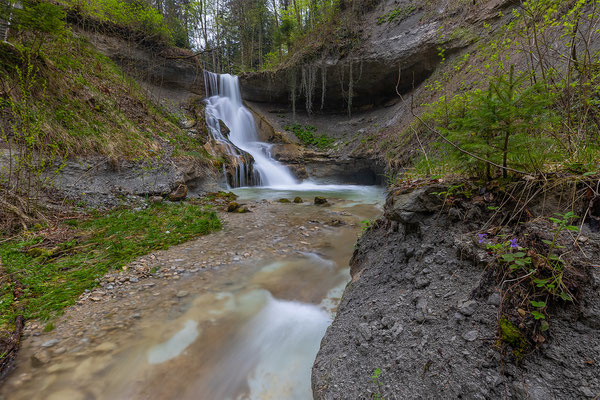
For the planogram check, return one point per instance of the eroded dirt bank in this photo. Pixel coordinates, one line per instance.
(170, 325)
(420, 317)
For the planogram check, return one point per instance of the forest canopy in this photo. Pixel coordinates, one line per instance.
(231, 35)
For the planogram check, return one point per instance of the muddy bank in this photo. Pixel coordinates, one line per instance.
(423, 308)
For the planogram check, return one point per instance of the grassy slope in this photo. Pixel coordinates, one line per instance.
(89, 106)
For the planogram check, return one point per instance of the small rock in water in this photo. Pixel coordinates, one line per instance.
(182, 293)
(298, 200)
(50, 343)
(336, 222)
(105, 347)
(284, 201)
(320, 200)
(70, 394)
(40, 358)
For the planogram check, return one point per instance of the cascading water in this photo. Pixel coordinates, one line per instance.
(225, 103)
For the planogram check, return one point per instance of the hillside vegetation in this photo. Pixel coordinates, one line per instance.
(521, 100)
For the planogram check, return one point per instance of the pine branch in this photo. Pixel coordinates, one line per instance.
(445, 139)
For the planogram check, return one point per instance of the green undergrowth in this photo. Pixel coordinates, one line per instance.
(309, 136)
(398, 14)
(136, 15)
(86, 104)
(48, 269)
(498, 108)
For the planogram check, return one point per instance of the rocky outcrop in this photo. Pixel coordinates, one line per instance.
(324, 167)
(420, 317)
(401, 53)
(98, 181)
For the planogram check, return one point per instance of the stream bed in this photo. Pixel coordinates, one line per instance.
(247, 327)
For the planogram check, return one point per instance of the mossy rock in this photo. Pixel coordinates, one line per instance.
(298, 200)
(284, 201)
(320, 200)
(512, 335)
(242, 210)
(233, 206)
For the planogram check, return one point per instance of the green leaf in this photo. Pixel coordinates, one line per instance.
(538, 315)
(565, 296)
(509, 257)
(590, 173)
(376, 373)
(573, 228)
(540, 282)
(538, 304)
(519, 254)
(548, 242)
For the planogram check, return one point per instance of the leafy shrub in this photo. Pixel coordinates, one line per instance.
(307, 134)
(136, 15)
(39, 16)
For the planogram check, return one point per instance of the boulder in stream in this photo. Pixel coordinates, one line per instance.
(320, 200)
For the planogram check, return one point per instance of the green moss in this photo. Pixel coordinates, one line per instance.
(399, 14)
(308, 135)
(512, 335)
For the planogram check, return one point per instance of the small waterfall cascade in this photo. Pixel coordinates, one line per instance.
(253, 163)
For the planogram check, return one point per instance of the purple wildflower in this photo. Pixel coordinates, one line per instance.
(514, 244)
(482, 237)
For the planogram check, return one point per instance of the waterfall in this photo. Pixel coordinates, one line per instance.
(224, 102)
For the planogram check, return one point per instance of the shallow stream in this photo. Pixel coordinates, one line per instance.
(249, 331)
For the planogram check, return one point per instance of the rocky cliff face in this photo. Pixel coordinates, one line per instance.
(396, 44)
(423, 308)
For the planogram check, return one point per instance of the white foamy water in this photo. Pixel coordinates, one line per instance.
(225, 103)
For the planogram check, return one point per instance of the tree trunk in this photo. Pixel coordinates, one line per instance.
(297, 15)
